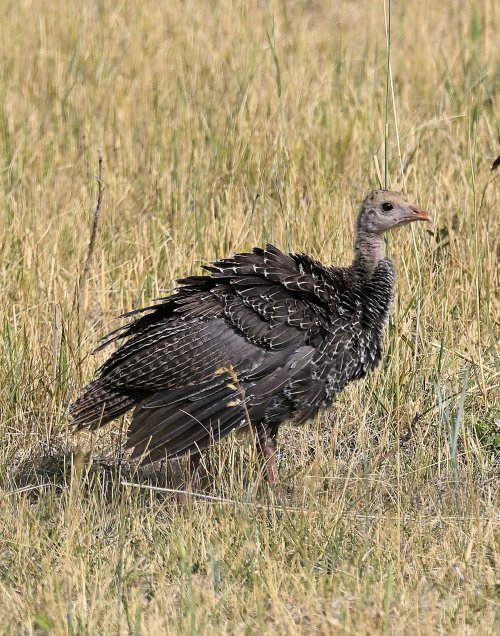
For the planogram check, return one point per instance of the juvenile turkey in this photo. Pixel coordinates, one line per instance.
(263, 337)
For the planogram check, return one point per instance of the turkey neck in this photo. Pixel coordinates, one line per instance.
(369, 250)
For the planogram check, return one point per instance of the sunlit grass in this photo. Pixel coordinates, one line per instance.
(224, 125)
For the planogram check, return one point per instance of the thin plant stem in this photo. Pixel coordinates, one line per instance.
(387, 15)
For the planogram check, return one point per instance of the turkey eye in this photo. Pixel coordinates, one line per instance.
(387, 207)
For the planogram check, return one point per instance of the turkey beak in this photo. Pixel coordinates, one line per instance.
(419, 215)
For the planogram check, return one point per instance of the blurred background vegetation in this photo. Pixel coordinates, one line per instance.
(225, 124)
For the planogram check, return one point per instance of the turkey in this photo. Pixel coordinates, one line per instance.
(261, 339)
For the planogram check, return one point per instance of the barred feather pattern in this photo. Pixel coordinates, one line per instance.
(291, 331)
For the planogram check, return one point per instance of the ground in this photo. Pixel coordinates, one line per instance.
(223, 125)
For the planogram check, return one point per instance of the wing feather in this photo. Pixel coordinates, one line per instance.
(264, 313)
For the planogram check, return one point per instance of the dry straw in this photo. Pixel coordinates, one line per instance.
(391, 520)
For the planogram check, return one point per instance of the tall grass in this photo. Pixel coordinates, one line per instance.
(224, 125)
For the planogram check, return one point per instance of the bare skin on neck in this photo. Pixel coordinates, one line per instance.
(369, 250)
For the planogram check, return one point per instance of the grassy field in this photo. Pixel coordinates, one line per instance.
(387, 520)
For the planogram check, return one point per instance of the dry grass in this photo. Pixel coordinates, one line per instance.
(392, 519)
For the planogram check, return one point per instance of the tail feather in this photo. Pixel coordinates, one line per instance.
(99, 405)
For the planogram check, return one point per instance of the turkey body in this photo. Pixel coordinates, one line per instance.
(262, 338)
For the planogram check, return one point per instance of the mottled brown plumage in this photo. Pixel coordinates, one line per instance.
(263, 336)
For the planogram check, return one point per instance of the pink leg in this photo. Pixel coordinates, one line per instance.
(268, 452)
(193, 462)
